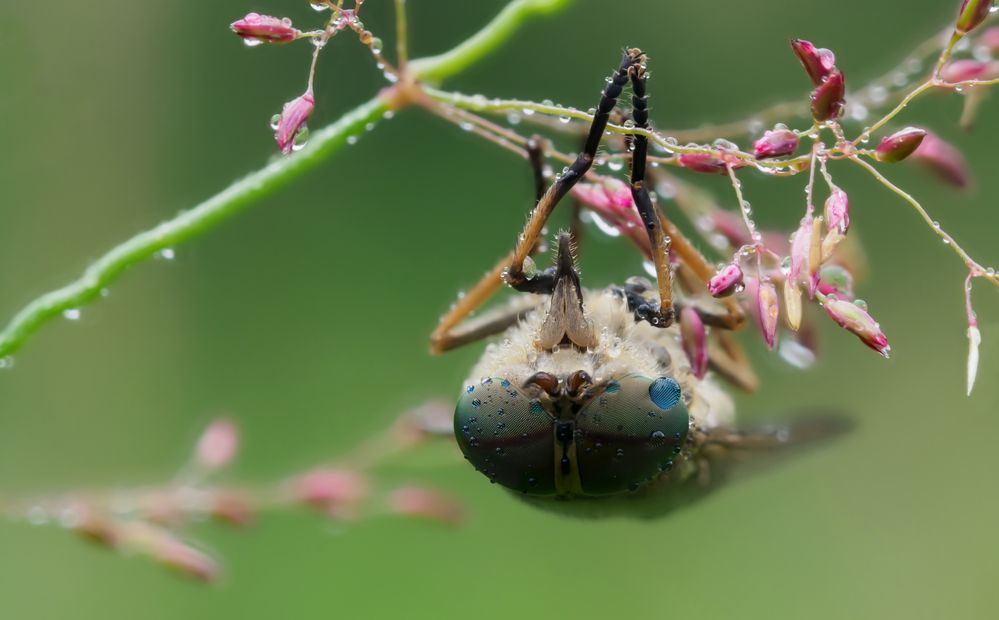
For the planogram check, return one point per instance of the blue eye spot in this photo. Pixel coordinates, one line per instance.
(613, 387)
(665, 392)
(505, 384)
(536, 407)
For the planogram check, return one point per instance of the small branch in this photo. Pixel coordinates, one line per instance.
(973, 266)
(242, 193)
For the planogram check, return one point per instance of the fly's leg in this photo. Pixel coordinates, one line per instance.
(543, 282)
(663, 314)
(454, 330)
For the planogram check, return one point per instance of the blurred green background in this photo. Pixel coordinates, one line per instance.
(306, 319)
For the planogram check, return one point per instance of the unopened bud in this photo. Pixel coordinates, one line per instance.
(184, 559)
(776, 143)
(990, 38)
(814, 256)
(702, 162)
(232, 508)
(819, 63)
(853, 318)
(838, 210)
(255, 29)
(427, 504)
(694, 338)
(768, 311)
(726, 281)
(971, 14)
(218, 444)
(290, 126)
(967, 69)
(334, 491)
(943, 159)
(800, 244)
(828, 98)
(899, 145)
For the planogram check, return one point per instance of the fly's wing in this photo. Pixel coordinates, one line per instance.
(724, 456)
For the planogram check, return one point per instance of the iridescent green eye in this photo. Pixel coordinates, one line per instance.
(630, 433)
(507, 436)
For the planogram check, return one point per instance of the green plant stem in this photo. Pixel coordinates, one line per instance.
(248, 190)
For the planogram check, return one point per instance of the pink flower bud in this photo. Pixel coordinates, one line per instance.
(828, 98)
(899, 145)
(852, 317)
(232, 508)
(990, 38)
(255, 29)
(972, 13)
(967, 69)
(819, 63)
(419, 502)
(334, 491)
(290, 126)
(95, 527)
(776, 143)
(184, 559)
(694, 338)
(218, 444)
(702, 162)
(943, 159)
(726, 281)
(838, 211)
(768, 311)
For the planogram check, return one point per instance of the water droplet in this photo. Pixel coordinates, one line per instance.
(513, 118)
(615, 165)
(167, 254)
(73, 314)
(301, 139)
(352, 140)
(251, 42)
(527, 111)
(476, 403)
(6, 363)
(37, 516)
(319, 6)
(658, 435)
(275, 120)
(376, 45)
(564, 119)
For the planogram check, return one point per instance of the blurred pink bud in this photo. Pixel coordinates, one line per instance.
(838, 211)
(828, 98)
(218, 444)
(427, 504)
(800, 245)
(990, 38)
(335, 491)
(434, 417)
(768, 311)
(972, 13)
(95, 528)
(291, 122)
(943, 159)
(835, 280)
(726, 281)
(776, 143)
(232, 508)
(899, 145)
(819, 63)
(184, 558)
(852, 317)
(702, 162)
(255, 29)
(694, 338)
(967, 69)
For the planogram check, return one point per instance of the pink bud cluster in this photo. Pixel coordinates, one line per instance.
(828, 98)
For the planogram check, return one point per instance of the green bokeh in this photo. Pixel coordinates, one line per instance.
(306, 319)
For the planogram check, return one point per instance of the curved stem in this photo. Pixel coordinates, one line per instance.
(246, 191)
(971, 264)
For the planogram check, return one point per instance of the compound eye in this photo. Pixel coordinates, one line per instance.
(629, 434)
(507, 436)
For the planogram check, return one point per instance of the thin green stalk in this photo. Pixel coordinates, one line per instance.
(244, 192)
